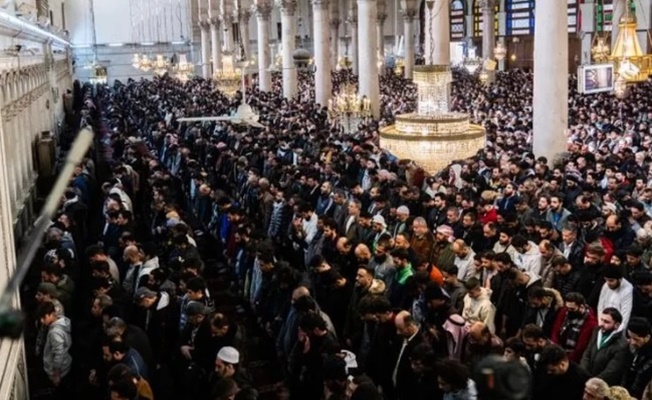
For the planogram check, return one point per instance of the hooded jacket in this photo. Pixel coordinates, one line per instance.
(56, 354)
(480, 309)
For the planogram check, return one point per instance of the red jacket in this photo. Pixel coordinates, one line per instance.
(491, 216)
(585, 333)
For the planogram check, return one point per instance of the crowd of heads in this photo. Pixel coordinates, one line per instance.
(369, 276)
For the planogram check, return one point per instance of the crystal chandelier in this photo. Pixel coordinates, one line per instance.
(348, 110)
(343, 63)
(160, 65)
(433, 136)
(184, 69)
(135, 61)
(399, 66)
(145, 63)
(227, 80)
(500, 51)
(600, 51)
(472, 62)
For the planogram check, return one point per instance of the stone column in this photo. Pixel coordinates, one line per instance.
(488, 33)
(353, 24)
(381, 17)
(289, 33)
(205, 49)
(587, 14)
(216, 44)
(335, 40)
(440, 52)
(410, 12)
(550, 79)
(226, 18)
(368, 80)
(323, 85)
(243, 23)
(263, 11)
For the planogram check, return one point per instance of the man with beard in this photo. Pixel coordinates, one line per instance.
(534, 340)
(607, 352)
(619, 232)
(227, 366)
(591, 275)
(616, 292)
(557, 214)
(382, 263)
(639, 372)
(114, 352)
(480, 343)
(365, 285)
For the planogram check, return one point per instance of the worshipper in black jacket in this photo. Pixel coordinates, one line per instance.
(607, 354)
(557, 377)
(306, 360)
(159, 321)
(404, 378)
(422, 360)
(639, 372)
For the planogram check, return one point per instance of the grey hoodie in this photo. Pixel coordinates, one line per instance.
(56, 354)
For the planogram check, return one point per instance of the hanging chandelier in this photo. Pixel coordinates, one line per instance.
(184, 69)
(145, 63)
(433, 136)
(348, 110)
(135, 61)
(399, 66)
(472, 62)
(343, 63)
(600, 50)
(630, 62)
(500, 51)
(227, 80)
(160, 65)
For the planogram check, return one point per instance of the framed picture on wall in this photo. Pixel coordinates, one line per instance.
(595, 78)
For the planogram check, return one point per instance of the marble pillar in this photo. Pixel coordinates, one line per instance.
(243, 24)
(335, 41)
(289, 33)
(550, 102)
(323, 84)
(226, 19)
(410, 13)
(439, 50)
(488, 33)
(353, 24)
(216, 44)
(263, 11)
(381, 17)
(368, 80)
(587, 22)
(205, 49)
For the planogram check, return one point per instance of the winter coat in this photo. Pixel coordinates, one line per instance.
(56, 354)
(608, 362)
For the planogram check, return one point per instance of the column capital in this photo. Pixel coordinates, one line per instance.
(204, 24)
(244, 15)
(263, 9)
(214, 21)
(288, 7)
(487, 5)
(335, 23)
(381, 7)
(381, 18)
(320, 4)
(409, 9)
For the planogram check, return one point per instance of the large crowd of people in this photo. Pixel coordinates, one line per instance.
(504, 276)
